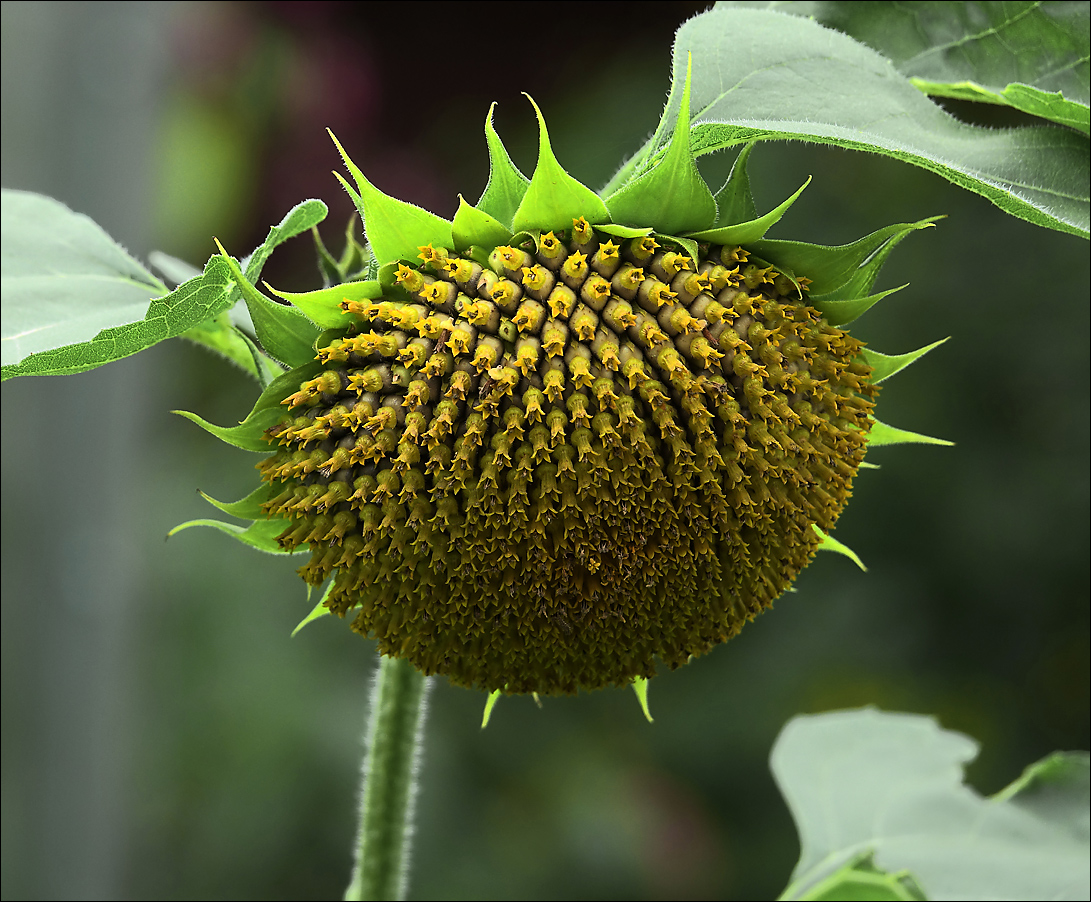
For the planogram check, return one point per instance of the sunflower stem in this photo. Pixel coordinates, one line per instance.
(388, 783)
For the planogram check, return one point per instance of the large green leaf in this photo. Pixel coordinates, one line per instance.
(187, 306)
(867, 783)
(762, 73)
(1029, 55)
(64, 279)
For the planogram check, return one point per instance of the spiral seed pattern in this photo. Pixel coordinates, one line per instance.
(545, 473)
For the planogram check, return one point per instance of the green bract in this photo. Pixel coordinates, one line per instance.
(566, 436)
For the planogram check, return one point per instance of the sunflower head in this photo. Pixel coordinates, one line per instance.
(563, 437)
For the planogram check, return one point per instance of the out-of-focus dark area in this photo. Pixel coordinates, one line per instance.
(163, 737)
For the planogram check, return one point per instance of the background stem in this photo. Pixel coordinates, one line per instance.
(388, 786)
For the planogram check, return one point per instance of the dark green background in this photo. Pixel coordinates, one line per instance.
(163, 737)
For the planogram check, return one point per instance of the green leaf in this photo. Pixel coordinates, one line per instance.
(395, 230)
(319, 610)
(640, 687)
(490, 703)
(860, 782)
(261, 535)
(1054, 107)
(553, 198)
(64, 279)
(882, 434)
(302, 217)
(285, 332)
(177, 271)
(507, 185)
(765, 74)
(860, 879)
(883, 366)
(734, 202)
(249, 508)
(749, 232)
(840, 269)
(671, 197)
(1028, 55)
(324, 306)
(841, 313)
(73, 299)
(1056, 789)
(473, 226)
(187, 306)
(829, 543)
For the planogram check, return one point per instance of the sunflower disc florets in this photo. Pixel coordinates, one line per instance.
(544, 473)
(565, 435)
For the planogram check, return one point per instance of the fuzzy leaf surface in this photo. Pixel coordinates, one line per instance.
(1029, 55)
(792, 78)
(891, 785)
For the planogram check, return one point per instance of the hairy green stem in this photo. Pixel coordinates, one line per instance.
(388, 782)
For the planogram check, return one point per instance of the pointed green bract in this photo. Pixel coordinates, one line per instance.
(247, 435)
(285, 332)
(323, 307)
(755, 229)
(883, 366)
(266, 412)
(394, 229)
(841, 313)
(490, 703)
(507, 185)
(832, 269)
(299, 219)
(734, 202)
(672, 197)
(319, 610)
(829, 543)
(553, 198)
(473, 226)
(882, 434)
(687, 244)
(261, 535)
(640, 687)
(249, 508)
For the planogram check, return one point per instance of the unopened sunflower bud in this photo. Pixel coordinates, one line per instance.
(572, 461)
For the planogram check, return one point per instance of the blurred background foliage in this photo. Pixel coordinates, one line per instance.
(164, 738)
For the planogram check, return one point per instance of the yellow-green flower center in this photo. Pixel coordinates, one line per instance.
(546, 473)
